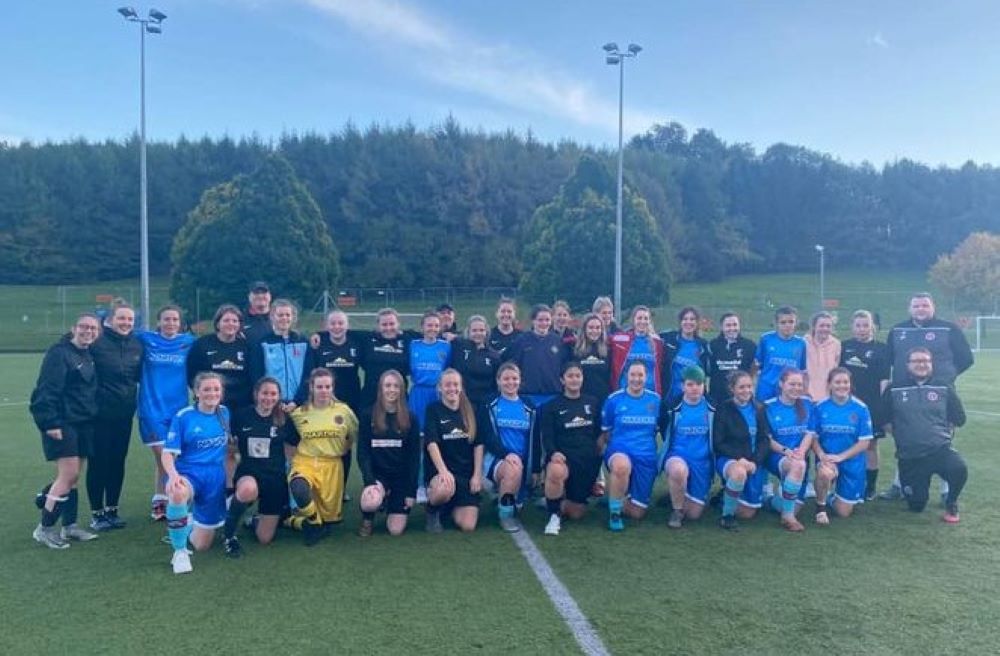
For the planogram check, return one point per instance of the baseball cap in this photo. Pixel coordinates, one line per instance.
(260, 287)
(445, 307)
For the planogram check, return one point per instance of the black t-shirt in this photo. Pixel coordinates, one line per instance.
(229, 360)
(869, 364)
(444, 427)
(596, 375)
(725, 357)
(378, 355)
(478, 367)
(499, 341)
(344, 360)
(392, 456)
(261, 442)
(571, 426)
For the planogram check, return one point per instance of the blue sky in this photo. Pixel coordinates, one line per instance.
(861, 80)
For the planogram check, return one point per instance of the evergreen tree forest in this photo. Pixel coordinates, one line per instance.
(450, 206)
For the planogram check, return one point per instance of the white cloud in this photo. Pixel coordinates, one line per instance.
(878, 41)
(515, 77)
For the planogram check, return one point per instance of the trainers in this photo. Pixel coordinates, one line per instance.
(158, 510)
(615, 522)
(792, 525)
(822, 518)
(676, 519)
(74, 532)
(233, 548)
(421, 495)
(312, 533)
(49, 536)
(810, 491)
(951, 514)
(891, 493)
(510, 524)
(433, 523)
(767, 490)
(554, 525)
(116, 522)
(100, 523)
(729, 523)
(181, 562)
(366, 528)
(597, 489)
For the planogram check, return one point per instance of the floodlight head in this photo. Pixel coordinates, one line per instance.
(154, 29)
(819, 248)
(156, 15)
(610, 47)
(634, 48)
(127, 12)
(613, 59)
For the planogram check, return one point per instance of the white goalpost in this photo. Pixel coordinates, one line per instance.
(987, 333)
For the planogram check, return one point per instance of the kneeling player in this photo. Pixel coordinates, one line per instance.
(194, 457)
(570, 429)
(790, 417)
(456, 451)
(687, 461)
(325, 428)
(628, 422)
(844, 431)
(741, 441)
(388, 457)
(261, 432)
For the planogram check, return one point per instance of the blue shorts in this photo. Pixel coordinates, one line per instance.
(774, 466)
(640, 483)
(490, 464)
(751, 496)
(699, 475)
(209, 487)
(421, 396)
(153, 431)
(851, 480)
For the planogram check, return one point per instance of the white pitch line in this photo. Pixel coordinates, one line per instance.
(11, 405)
(983, 413)
(560, 597)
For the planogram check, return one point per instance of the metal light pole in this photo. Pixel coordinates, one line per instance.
(617, 58)
(149, 24)
(822, 275)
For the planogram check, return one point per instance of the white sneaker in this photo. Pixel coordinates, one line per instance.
(767, 490)
(181, 562)
(74, 532)
(810, 491)
(552, 528)
(421, 495)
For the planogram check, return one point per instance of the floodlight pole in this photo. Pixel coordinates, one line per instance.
(822, 275)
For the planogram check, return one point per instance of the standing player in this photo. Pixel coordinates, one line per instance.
(730, 351)
(388, 457)
(324, 429)
(118, 360)
(687, 459)
(257, 322)
(477, 362)
(570, 429)
(446, 314)
(591, 353)
(455, 449)
(281, 354)
(640, 343)
(843, 430)
(791, 419)
(261, 433)
(64, 406)
(163, 391)
(194, 458)
(628, 424)
(428, 358)
(384, 349)
(683, 348)
(605, 309)
(513, 450)
(539, 355)
(868, 361)
(505, 332)
(562, 321)
(741, 441)
(778, 350)
(823, 351)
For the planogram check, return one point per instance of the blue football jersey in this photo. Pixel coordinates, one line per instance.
(642, 351)
(749, 412)
(691, 430)
(427, 361)
(163, 388)
(774, 355)
(787, 426)
(198, 439)
(688, 355)
(514, 422)
(632, 422)
(839, 427)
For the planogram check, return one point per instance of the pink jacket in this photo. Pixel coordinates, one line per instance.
(820, 360)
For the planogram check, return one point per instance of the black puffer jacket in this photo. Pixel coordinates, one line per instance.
(118, 359)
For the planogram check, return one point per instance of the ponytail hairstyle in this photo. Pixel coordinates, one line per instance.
(814, 319)
(464, 405)
(644, 308)
(380, 412)
(277, 414)
(211, 375)
(800, 406)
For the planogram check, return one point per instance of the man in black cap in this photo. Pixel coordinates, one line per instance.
(447, 314)
(257, 321)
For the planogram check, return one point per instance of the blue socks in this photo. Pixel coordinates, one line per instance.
(178, 525)
(789, 492)
(731, 497)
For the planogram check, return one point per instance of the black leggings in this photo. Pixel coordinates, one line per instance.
(915, 476)
(106, 468)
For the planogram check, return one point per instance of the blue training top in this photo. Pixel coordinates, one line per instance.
(163, 387)
(198, 439)
(427, 361)
(749, 413)
(774, 355)
(513, 422)
(632, 422)
(786, 426)
(839, 427)
(643, 351)
(691, 430)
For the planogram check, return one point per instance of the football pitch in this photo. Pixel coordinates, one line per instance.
(885, 581)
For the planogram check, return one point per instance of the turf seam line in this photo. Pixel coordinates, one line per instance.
(565, 605)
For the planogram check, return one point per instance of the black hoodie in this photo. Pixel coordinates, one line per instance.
(66, 391)
(118, 359)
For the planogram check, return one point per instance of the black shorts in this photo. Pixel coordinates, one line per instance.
(77, 442)
(272, 490)
(583, 471)
(463, 496)
(394, 502)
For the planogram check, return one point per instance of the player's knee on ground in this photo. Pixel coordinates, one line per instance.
(745, 512)
(371, 498)
(201, 538)
(634, 511)
(246, 489)
(917, 501)
(299, 487)
(395, 524)
(574, 510)
(466, 519)
(842, 509)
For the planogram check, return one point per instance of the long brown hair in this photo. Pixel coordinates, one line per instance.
(380, 412)
(322, 372)
(464, 405)
(800, 407)
(583, 345)
(277, 414)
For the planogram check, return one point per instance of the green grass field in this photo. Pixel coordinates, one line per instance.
(885, 581)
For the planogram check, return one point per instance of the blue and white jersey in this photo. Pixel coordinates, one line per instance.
(774, 355)
(198, 439)
(163, 387)
(427, 361)
(787, 427)
(632, 422)
(688, 355)
(839, 427)
(642, 351)
(690, 430)
(513, 422)
(749, 412)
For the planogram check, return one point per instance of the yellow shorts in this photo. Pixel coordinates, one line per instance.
(326, 481)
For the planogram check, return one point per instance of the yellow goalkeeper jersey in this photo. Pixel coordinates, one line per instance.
(325, 432)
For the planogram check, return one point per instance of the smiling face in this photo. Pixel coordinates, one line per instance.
(641, 321)
(337, 324)
(509, 381)
(594, 329)
(840, 387)
(561, 318)
(921, 309)
(450, 387)
(321, 391)
(636, 378)
(478, 331)
(542, 322)
(267, 398)
(123, 320)
(228, 326)
(742, 389)
(169, 323)
(689, 324)
(920, 365)
(607, 314)
(572, 380)
(282, 319)
(506, 316)
(823, 329)
(785, 324)
(209, 394)
(85, 331)
(446, 318)
(388, 325)
(391, 390)
(862, 329)
(791, 387)
(260, 302)
(731, 328)
(431, 327)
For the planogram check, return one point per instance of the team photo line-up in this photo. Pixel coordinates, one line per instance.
(438, 418)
